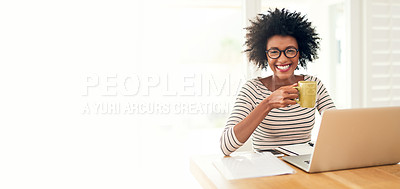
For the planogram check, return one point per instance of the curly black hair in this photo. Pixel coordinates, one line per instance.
(285, 23)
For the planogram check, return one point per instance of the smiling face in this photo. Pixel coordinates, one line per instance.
(283, 67)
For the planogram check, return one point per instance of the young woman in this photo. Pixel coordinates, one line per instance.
(265, 108)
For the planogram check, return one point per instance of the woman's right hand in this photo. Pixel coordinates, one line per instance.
(283, 97)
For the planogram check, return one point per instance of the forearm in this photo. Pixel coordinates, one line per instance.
(246, 127)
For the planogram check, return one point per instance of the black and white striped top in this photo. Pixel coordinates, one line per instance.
(282, 126)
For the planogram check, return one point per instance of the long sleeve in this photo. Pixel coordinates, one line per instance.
(245, 103)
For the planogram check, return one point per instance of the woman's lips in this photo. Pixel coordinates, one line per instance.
(283, 68)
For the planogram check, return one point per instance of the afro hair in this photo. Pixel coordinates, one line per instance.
(285, 23)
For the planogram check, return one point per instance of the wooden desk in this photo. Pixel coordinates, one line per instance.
(371, 177)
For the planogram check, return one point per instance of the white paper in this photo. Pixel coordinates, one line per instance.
(251, 165)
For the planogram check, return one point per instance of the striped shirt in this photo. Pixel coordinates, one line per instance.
(282, 126)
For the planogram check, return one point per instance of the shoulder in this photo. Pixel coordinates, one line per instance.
(312, 78)
(252, 85)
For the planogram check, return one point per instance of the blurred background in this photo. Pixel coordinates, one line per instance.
(120, 94)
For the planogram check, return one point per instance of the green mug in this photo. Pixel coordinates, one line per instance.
(307, 93)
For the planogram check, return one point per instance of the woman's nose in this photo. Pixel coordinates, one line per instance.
(283, 58)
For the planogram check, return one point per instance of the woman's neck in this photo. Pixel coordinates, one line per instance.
(273, 82)
(282, 82)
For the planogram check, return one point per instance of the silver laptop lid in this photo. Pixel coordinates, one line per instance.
(355, 138)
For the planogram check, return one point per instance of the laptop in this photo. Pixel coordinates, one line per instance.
(353, 138)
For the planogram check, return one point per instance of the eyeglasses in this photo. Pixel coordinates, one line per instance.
(275, 53)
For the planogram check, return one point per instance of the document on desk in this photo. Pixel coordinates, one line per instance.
(251, 165)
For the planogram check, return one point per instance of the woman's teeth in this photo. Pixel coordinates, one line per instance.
(283, 67)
